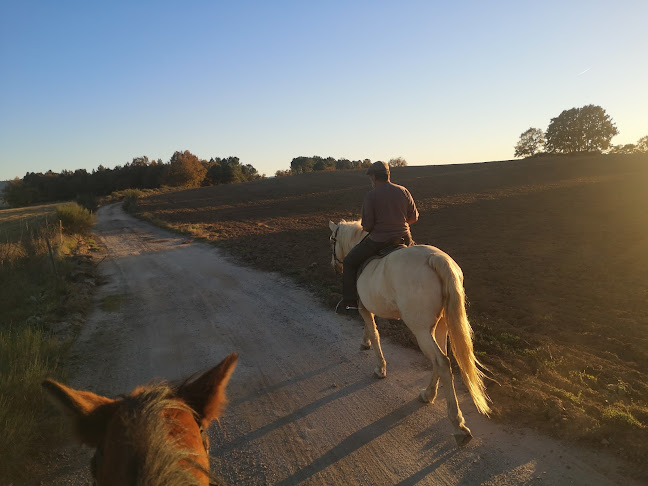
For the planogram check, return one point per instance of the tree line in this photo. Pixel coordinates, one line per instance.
(577, 130)
(184, 169)
(301, 165)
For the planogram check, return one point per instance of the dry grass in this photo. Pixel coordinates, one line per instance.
(14, 223)
(554, 255)
(39, 292)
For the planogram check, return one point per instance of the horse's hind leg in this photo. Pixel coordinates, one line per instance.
(440, 336)
(366, 337)
(441, 365)
(429, 394)
(370, 339)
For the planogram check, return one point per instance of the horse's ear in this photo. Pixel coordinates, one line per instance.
(89, 412)
(206, 394)
(332, 226)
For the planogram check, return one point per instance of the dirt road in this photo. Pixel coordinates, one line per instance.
(304, 406)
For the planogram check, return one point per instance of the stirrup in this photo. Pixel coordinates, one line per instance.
(344, 309)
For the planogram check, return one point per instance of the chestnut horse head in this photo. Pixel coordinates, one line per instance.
(155, 435)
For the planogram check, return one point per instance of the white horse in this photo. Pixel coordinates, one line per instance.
(423, 286)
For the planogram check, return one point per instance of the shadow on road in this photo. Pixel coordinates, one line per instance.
(354, 442)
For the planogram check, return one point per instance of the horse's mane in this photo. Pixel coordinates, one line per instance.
(351, 234)
(146, 430)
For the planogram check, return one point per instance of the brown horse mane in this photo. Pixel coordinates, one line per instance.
(147, 433)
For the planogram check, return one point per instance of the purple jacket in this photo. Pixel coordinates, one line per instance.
(386, 212)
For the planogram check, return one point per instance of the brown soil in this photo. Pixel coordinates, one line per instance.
(554, 252)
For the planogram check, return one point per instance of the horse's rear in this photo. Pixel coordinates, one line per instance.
(155, 435)
(401, 282)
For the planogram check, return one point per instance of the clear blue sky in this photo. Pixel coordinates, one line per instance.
(84, 84)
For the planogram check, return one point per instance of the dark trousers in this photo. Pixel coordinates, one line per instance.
(354, 260)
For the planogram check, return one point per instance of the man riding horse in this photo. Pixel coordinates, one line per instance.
(387, 213)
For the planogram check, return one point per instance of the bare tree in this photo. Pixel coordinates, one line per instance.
(398, 162)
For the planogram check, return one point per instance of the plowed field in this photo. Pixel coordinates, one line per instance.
(555, 257)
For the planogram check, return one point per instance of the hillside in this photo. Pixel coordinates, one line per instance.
(554, 256)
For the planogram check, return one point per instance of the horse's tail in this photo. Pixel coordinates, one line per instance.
(454, 307)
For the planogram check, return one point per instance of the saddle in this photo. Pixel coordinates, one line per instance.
(381, 254)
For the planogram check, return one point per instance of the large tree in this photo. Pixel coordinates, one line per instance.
(185, 169)
(530, 143)
(230, 170)
(586, 129)
(300, 165)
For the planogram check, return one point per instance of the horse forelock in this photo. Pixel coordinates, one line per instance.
(145, 418)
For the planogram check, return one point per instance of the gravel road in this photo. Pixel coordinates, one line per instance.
(304, 405)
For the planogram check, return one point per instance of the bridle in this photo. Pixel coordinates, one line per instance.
(333, 239)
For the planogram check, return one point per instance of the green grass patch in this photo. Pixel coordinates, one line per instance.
(618, 413)
(92, 244)
(566, 395)
(584, 378)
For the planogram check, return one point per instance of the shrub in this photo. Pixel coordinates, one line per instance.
(74, 218)
(131, 197)
(88, 201)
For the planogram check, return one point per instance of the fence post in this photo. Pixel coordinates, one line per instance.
(61, 231)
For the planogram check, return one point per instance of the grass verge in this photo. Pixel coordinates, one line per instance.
(45, 289)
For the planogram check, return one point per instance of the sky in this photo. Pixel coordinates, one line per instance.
(84, 84)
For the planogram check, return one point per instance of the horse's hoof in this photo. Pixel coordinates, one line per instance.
(424, 397)
(378, 373)
(463, 438)
(365, 347)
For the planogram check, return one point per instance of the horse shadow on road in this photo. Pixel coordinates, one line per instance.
(355, 441)
(297, 414)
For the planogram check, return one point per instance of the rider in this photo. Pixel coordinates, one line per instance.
(387, 212)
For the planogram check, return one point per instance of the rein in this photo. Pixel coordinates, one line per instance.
(334, 240)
